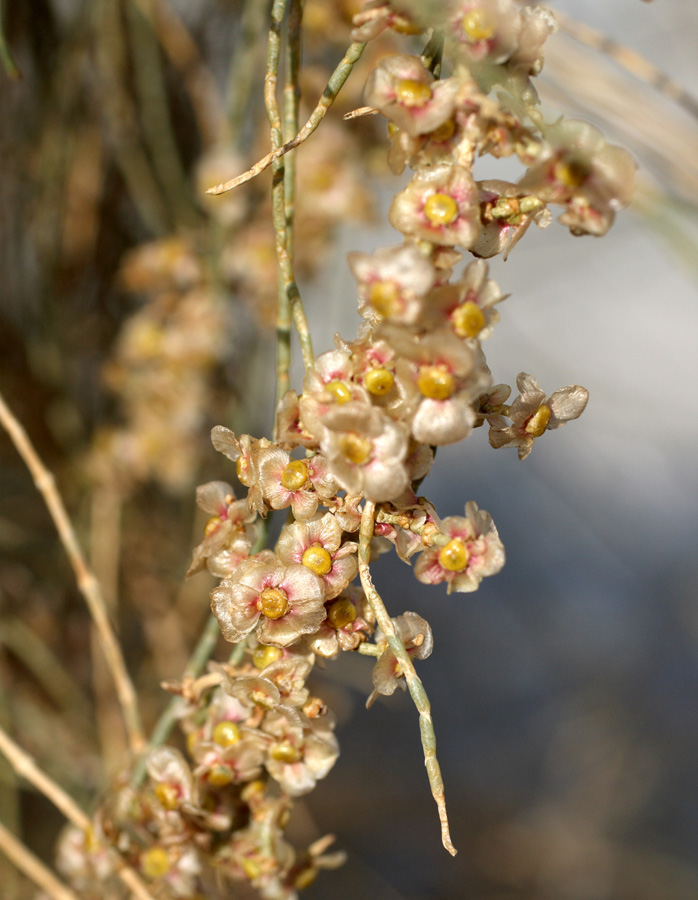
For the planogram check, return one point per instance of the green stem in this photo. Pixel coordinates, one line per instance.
(11, 69)
(414, 684)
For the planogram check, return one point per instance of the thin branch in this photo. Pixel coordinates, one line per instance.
(288, 284)
(26, 768)
(414, 685)
(361, 111)
(334, 85)
(248, 47)
(629, 60)
(11, 69)
(87, 583)
(31, 866)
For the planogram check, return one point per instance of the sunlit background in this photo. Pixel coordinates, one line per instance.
(565, 691)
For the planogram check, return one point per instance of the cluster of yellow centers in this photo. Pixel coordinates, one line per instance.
(295, 475)
(538, 422)
(435, 382)
(273, 603)
(409, 92)
(454, 555)
(479, 25)
(440, 209)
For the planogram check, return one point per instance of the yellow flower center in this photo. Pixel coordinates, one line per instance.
(219, 776)
(225, 734)
(341, 613)
(295, 475)
(354, 448)
(167, 795)
(285, 752)
(454, 556)
(435, 382)
(212, 525)
(409, 92)
(538, 422)
(572, 173)
(317, 559)
(468, 319)
(379, 381)
(479, 25)
(273, 603)
(383, 297)
(444, 132)
(250, 868)
(265, 656)
(155, 862)
(340, 392)
(242, 467)
(440, 209)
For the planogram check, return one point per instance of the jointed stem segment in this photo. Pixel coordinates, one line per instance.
(414, 684)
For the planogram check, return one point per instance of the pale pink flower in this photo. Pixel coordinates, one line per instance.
(317, 544)
(281, 603)
(407, 94)
(376, 16)
(473, 551)
(229, 532)
(298, 483)
(487, 30)
(532, 414)
(349, 622)
(392, 282)
(415, 633)
(298, 757)
(440, 204)
(467, 305)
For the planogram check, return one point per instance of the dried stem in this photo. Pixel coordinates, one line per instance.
(289, 294)
(31, 866)
(333, 87)
(629, 60)
(25, 767)
(414, 685)
(87, 583)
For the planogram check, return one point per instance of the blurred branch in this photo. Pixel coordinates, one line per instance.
(87, 583)
(248, 51)
(11, 69)
(31, 866)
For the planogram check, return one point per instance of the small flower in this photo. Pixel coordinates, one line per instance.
(467, 306)
(317, 544)
(298, 483)
(376, 16)
(472, 552)
(407, 94)
(229, 532)
(299, 757)
(532, 414)
(387, 675)
(392, 282)
(281, 603)
(487, 30)
(440, 204)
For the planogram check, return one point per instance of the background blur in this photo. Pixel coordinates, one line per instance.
(565, 691)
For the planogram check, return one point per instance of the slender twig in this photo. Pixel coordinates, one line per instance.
(630, 60)
(87, 583)
(31, 866)
(248, 47)
(414, 685)
(11, 69)
(26, 768)
(334, 85)
(285, 263)
(359, 112)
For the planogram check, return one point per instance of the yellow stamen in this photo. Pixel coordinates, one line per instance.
(383, 297)
(355, 448)
(444, 132)
(167, 795)
(225, 734)
(285, 752)
(409, 92)
(212, 525)
(479, 25)
(468, 319)
(155, 862)
(435, 382)
(340, 392)
(379, 381)
(572, 173)
(317, 559)
(220, 776)
(341, 613)
(265, 656)
(273, 603)
(454, 556)
(538, 422)
(250, 868)
(295, 475)
(440, 209)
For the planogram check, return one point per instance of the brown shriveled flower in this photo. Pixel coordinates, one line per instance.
(473, 552)
(440, 204)
(532, 414)
(281, 603)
